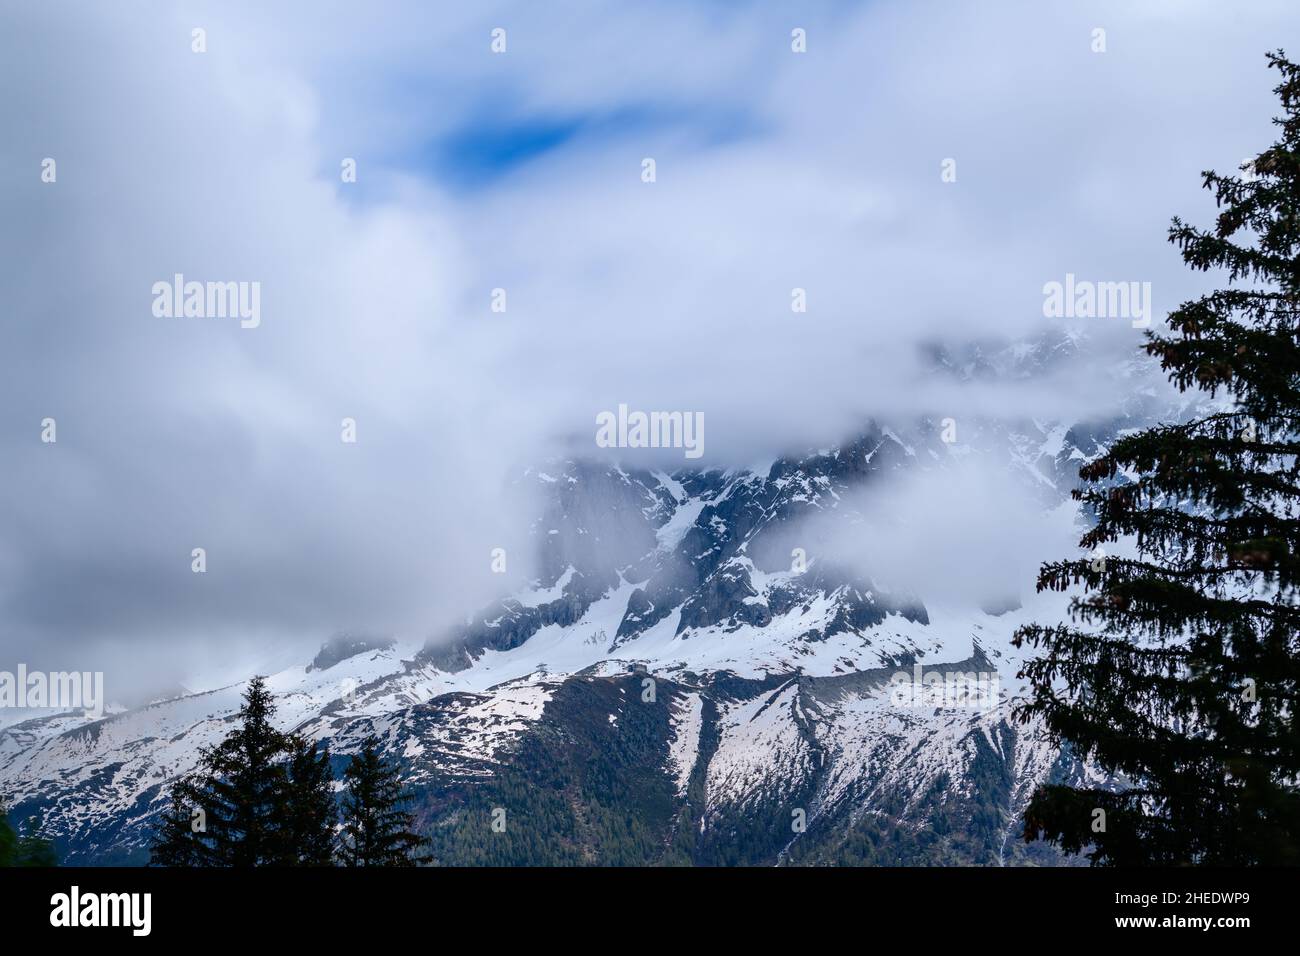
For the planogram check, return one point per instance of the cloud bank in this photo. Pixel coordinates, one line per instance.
(521, 171)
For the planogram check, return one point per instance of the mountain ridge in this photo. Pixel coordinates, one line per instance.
(769, 734)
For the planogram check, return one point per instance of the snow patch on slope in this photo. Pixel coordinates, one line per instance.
(687, 721)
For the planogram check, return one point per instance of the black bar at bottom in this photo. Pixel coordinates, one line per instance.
(339, 906)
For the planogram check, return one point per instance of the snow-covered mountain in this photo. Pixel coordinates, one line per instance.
(700, 674)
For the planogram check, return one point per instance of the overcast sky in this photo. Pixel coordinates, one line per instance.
(523, 171)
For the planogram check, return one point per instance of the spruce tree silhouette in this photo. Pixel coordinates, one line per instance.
(259, 798)
(176, 841)
(376, 830)
(312, 813)
(1179, 672)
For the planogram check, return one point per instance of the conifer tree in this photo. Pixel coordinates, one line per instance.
(259, 798)
(312, 813)
(243, 788)
(178, 840)
(376, 828)
(1178, 674)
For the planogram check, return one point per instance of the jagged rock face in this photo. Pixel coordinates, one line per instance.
(342, 646)
(673, 689)
(609, 525)
(598, 519)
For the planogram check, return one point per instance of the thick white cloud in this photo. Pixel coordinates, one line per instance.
(775, 170)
